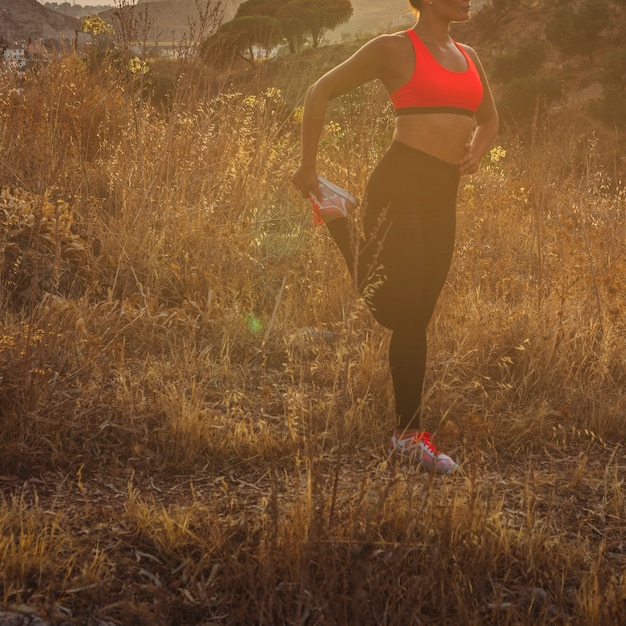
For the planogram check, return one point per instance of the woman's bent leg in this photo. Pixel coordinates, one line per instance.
(339, 230)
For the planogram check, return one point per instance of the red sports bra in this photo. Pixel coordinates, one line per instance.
(435, 89)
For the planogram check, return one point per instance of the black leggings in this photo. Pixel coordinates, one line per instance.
(401, 263)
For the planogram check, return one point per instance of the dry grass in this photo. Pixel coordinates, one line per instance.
(194, 403)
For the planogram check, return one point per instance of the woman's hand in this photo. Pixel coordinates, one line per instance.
(470, 161)
(305, 179)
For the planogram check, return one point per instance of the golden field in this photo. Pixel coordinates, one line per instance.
(195, 404)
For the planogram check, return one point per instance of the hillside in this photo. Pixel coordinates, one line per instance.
(23, 19)
(76, 10)
(169, 20)
(171, 17)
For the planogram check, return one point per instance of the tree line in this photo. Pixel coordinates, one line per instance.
(261, 25)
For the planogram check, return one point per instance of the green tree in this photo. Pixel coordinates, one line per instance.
(523, 61)
(292, 29)
(259, 7)
(244, 37)
(316, 17)
(578, 31)
(262, 23)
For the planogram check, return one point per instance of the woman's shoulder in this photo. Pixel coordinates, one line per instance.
(391, 47)
(390, 42)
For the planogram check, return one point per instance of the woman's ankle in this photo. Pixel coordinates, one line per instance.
(403, 433)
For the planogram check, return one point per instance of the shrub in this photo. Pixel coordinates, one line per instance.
(486, 21)
(613, 80)
(521, 62)
(578, 32)
(40, 250)
(523, 98)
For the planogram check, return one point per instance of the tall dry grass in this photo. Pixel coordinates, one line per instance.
(194, 403)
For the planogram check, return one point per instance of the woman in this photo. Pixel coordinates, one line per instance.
(446, 121)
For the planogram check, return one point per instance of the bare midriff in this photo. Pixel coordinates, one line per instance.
(442, 135)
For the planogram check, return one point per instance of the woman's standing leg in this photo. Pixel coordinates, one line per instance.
(419, 281)
(412, 245)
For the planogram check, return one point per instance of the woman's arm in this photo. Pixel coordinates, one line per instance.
(487, 123)
(368, 63)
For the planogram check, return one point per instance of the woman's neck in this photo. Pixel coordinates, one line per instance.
(432, 30)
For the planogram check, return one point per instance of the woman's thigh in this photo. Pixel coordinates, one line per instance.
(409, 225)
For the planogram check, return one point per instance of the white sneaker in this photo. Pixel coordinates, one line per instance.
(418, 447)
(334, 203)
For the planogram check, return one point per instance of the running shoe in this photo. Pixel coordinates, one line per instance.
(334, 203)
(418, 447)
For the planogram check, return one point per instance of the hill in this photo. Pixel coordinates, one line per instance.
(171, 17)
(169, 20)
(24, 19)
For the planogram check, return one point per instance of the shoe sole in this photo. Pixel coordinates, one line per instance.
(414, 457)
(339, 191)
